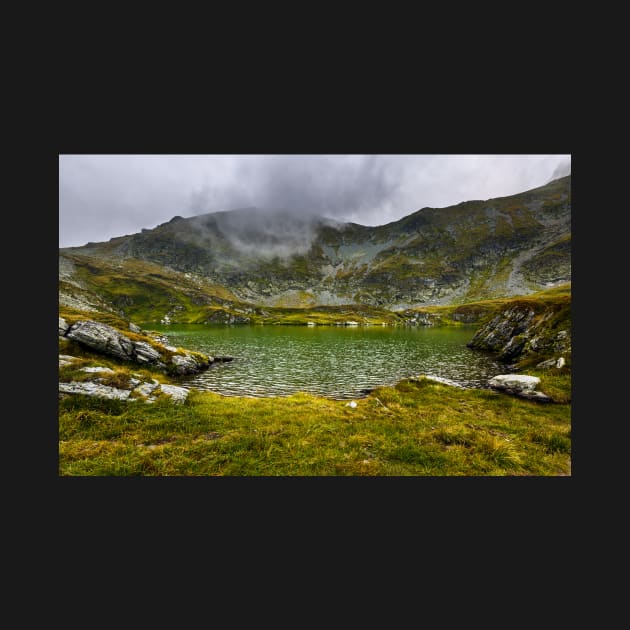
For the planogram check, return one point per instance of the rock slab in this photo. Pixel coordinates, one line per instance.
(520, 385)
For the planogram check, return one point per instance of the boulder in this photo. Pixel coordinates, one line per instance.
(178, 394)
(102, 338)
(519, 382)
(520, 385)
(63, 326)
(145, 352)
(187, 364)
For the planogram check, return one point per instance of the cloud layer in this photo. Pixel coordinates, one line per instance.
(102, 196)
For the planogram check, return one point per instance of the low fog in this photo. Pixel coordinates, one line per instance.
(267, 232)
(103, 196)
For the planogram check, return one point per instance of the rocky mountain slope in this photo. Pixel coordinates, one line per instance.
(527, 330)
(237, 262)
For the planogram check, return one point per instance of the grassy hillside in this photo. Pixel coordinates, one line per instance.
(416, 428)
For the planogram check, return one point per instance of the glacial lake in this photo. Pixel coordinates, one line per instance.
(332, 361)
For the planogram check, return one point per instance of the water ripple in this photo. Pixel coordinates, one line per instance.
(330, 361)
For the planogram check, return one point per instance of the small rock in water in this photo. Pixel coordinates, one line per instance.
(351, 404)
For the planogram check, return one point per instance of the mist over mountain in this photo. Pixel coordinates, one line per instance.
(473, 250)
(562, 170)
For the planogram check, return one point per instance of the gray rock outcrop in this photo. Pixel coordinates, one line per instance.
(90, 388)
(520, 385)
(102, 338)
(107, 340)
(63, 326)
(503, 333)
(178, 394)
(147, 390)
(146, 353)
(522, 328)
(187, 364)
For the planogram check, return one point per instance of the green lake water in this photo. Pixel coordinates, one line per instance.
(336, 362)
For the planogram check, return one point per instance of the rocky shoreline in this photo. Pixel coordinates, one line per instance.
(139, 347)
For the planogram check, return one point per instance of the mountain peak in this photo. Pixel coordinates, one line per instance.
(476, 249)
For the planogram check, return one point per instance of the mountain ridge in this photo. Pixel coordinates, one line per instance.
(477, 249)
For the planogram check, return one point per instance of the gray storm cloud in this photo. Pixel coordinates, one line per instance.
(306, 185)
(292, 195)
(102, 196)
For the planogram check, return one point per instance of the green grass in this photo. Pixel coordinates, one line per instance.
(416, 428)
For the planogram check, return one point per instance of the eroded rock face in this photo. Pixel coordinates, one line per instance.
(109, 341)
(102, 338)
(145, 352)
(520, 330)
(503, 333)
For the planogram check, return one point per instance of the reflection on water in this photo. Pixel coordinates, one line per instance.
(336, 362)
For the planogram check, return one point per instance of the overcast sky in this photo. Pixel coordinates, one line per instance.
(102, 196)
